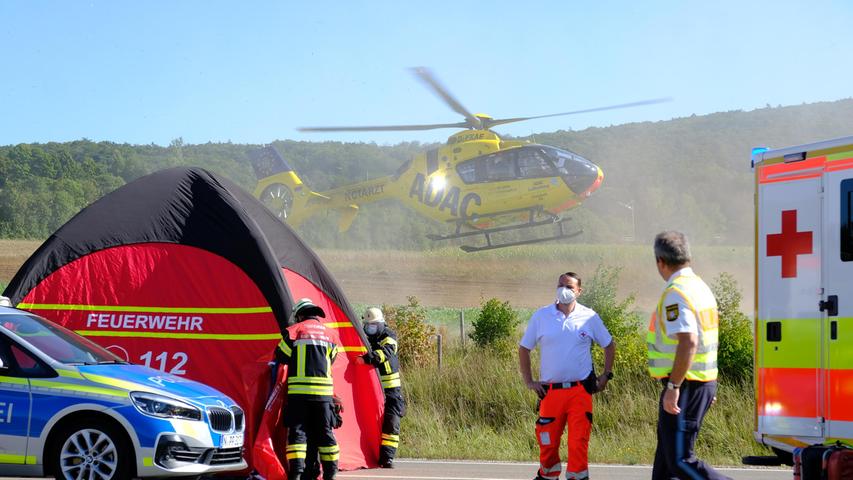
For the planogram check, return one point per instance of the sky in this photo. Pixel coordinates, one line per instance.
(254, 72)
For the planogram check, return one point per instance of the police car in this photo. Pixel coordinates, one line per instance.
(72, 409)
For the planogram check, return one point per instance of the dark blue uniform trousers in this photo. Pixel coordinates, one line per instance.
(677, 434)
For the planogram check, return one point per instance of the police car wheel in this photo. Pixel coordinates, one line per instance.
(278, 199)
(93, 453)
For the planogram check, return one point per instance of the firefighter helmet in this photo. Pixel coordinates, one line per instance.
(373, 314)
(305, 307)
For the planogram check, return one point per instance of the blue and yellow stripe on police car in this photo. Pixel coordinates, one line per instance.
(51, 387)
(17, 459)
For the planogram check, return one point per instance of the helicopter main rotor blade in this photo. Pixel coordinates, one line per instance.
(426, 76)
(489, 123)
(385, 128)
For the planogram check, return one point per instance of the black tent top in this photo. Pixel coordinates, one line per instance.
(188, 206)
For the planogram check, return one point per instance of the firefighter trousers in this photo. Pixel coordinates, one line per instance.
(674, 457)
(570, 407)
(395, 409)
(309, 429)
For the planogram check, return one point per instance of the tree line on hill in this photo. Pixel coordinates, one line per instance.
(689, 173)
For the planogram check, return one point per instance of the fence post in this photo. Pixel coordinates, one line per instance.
(438, 348)
(462, 326)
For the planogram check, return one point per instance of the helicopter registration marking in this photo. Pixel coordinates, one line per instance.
(467, 137)
(364, 192)
(442, 198)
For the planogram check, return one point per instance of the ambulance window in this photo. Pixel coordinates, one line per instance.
(847, 220)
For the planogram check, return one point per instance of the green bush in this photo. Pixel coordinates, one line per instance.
(623, 323)
(735, 353)
(414, 335)
(477, 407)
(495, 326)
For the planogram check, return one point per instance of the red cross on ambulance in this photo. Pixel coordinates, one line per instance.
(789, 244)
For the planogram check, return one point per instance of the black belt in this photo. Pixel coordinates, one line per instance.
(558, 386)
(665, 380)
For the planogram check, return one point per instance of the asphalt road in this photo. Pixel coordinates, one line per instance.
(465, 470)
(470, 470)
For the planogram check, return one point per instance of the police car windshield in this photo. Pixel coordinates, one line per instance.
(57, 342)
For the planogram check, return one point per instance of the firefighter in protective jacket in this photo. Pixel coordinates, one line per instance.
(383, 355)
(308, 349)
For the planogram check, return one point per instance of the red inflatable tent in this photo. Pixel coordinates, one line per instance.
(186, 272)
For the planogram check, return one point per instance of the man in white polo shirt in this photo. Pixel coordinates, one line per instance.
(564, 332)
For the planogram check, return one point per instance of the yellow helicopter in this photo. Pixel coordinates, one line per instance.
(477, 183)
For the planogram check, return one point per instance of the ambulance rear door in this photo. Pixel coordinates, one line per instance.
(789, 333)
(838, 295)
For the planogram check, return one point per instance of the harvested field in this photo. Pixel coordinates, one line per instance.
(526, 276)
(13, 253)
(451, 278)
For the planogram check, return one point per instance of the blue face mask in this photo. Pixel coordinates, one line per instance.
(371, 328)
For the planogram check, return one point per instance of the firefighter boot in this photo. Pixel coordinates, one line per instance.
(330, 470)
(311, 472)
(385, 461)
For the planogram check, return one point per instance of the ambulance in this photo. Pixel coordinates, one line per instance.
(804, 295)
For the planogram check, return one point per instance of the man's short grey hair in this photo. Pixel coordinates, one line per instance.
(672, 248)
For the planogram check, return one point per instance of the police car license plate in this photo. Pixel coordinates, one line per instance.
(231, 441)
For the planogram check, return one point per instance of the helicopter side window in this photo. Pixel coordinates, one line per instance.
(532, 163)
(468, 171)
(500, 166)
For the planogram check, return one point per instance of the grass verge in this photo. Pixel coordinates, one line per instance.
(476, 407)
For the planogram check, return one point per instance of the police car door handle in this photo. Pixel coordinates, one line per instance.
(830, 306)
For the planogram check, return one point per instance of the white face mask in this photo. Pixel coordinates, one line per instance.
(565, 295)
(371, 328)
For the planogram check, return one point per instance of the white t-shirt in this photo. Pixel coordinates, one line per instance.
(685, 321)
(565, 341)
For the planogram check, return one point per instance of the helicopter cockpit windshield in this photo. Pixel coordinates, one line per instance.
(578, 172)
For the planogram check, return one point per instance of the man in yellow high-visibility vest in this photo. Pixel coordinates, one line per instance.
(682, 342)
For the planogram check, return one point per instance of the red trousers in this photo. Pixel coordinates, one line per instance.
(559, 408)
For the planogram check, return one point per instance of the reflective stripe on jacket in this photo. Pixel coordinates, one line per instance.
(309, 349)
(700, 300)
(384, 357)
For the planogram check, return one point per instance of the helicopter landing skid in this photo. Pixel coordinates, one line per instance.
(487, 232)
(492, 246)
